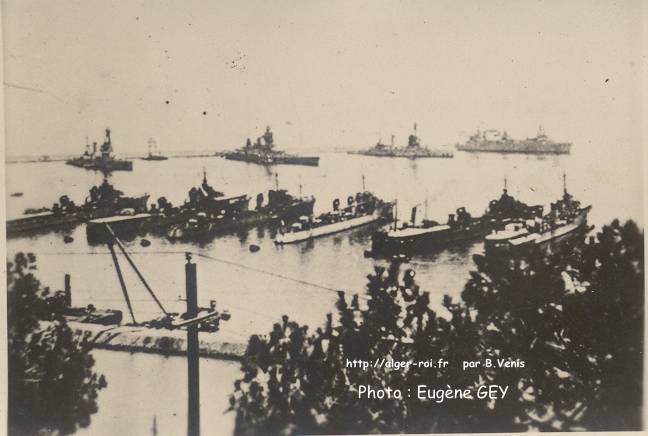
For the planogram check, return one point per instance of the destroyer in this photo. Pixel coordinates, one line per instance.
(105, 161)
(262, 152)
(365, 208)
(209, 212)
(413, 150)
(566, 220)
(104, 200)
(427, 236)
(497, 142)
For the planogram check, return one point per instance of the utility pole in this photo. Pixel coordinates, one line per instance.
(68, 291)
(193, 371)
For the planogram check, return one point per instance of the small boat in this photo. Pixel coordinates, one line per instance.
(363, 209)
(17, 194)
(153, 152)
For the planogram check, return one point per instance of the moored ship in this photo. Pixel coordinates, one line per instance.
(209, 212)
(153, 152)
(499, 142)
(362, 209)
(262, 152)
(104, 161)
(566, 221)
(103, 200)
(413, 150)
(428, 236)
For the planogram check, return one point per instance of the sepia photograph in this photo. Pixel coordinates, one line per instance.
(248, 218)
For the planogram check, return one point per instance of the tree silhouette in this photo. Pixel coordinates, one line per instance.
(52, 386)
(574, 317)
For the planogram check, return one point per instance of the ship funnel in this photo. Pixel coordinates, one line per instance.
(94, 147)
(414, 215)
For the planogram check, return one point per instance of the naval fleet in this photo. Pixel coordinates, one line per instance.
(507, 226)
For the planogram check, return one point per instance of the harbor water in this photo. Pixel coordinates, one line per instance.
(298, 280)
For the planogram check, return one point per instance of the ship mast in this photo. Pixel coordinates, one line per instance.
(426, 204)
(564, 182)
(276, 181)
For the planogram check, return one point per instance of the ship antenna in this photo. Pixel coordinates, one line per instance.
(300, 185)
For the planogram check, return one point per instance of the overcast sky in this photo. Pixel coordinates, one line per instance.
(322, 74)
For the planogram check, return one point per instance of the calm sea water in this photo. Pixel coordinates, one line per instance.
(257, 288)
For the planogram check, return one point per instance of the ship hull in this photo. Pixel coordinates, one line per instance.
(123, 226)
(242, 221)
(547, 241)
(531, 148)
(384, 245)
(41, 223)
(274, 160)
(328, 229)
(48, 221)
(98, 165)
(413, 155)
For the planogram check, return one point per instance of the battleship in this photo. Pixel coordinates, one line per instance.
(428, 235)
(262, 152)
(566, 220)
(104, 161)
(413, 150)
(499, 142)
(153, 152)
(362, 209)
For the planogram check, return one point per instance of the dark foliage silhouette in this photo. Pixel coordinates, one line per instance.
(575, 317)
(52, 386)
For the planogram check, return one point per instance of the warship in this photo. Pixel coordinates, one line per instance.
(209, 212)
(413, 150)
(153, 153)
(104, 161)
(499, 142)
(566, 220)
(427, 236)
(362, 209)
(103, 200)
(262, 152)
